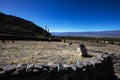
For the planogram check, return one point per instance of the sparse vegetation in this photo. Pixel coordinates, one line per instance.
(37, 51)
(106, 40)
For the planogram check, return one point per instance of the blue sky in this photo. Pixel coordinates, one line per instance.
(67, 15)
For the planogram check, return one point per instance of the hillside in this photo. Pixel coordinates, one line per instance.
(12, 25)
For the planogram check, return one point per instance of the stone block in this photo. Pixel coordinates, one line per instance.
(79, 64)
(21, 68)
(60, 67)
(38, 65)
(67, 67)
(52, 66)
(9, 68)
(74, 67)
(29, 67)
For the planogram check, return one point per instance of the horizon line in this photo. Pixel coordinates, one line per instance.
(83, 31)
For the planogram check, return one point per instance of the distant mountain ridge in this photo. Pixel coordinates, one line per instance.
(112, 33)
(12, 25)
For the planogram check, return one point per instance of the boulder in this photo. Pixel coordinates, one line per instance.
(99, 55)
(60, 67)
(7, 71)
(45, 66)
(92, 62)
(38, 66)
(85, 63)
(73, 66)
(21, 68)
(36, 70)
(97, 61)
(9, 68)
(29, 67)
(88, 63)
(79, 64)
(105, 55)
(52, 66)
(100, 59)
(67, 66)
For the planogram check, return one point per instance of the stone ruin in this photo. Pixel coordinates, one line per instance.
(98, 68)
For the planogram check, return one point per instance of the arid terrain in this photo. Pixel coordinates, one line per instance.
(114, 50)
(40, 51)
(37, 51)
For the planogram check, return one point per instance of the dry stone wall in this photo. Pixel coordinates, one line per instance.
(99, 68)
(116, 61)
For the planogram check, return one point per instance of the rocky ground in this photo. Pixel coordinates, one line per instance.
(114, 50)
(37, 51)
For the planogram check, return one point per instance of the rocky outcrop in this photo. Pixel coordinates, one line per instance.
(99, 68)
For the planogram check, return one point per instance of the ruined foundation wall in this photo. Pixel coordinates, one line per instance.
(99, 68)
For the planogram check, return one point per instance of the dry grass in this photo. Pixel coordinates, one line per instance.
(37, 51)
(98, 46)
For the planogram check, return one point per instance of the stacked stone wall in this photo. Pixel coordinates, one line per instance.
(99, 68)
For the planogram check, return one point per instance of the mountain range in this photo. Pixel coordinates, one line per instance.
(111, 33)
